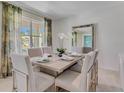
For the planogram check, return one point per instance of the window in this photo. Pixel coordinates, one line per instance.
(33, 34)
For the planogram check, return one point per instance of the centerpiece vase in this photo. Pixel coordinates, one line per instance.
(60, 54)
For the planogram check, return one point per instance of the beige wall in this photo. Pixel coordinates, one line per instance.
(109, 33)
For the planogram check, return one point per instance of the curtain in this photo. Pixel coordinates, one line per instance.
(10, 41)
(48, 27)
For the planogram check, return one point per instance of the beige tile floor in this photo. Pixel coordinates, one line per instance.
(108, 82)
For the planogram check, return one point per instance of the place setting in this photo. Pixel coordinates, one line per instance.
(66, 58)
(43, 59)
(75, 54)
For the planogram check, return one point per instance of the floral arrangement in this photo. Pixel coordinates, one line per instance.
(61, 50)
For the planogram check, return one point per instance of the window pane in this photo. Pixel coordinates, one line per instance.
(41, 43)
(35, 41)
(25, 42)
(38, 34)
(25, 29)
(33, 33)
(36, 28)
(25, 34)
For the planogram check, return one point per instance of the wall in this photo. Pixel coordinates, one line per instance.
(109, 33)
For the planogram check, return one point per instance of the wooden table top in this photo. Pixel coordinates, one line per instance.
(56, 63)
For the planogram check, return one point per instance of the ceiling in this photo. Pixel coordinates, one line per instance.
(62, 9)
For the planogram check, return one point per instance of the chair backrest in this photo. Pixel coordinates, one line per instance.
(87, 49)
(92, 58)
(77, 49)
(96, 54)
(23, 73)
(122, 71)
(88, 62)
(47, 50)
(34, 52)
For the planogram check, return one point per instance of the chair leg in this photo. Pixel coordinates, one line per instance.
(14, 87)
(56, 88)
(53, 88)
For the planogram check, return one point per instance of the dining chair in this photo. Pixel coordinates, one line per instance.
(96, 65)
(122, 71)
(92, 75)
(34, 52)
(87, 49)
(26, 79)
(47, 50)
(77, 67)
(96, 54)
(77, 49)
(74, 81)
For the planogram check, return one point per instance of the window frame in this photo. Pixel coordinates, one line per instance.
(31, 21)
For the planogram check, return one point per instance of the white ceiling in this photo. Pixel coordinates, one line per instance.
(61, 9)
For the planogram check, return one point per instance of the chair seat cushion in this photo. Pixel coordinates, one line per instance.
(43, 81)
(77, 67)
(69, 80)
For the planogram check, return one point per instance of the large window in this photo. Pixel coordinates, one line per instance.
(33, 33)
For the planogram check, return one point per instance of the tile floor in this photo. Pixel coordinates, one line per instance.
(108, 82)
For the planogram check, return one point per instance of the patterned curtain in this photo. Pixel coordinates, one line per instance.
(10, 41)
(48, 26)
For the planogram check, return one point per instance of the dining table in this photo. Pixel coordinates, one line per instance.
(56, 64)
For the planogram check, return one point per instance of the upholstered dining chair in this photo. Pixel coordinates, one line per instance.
(87, 49)
(122, 71)
(96, 54)
(77, 67)
(26, 79)
(74, 81)
(47, 50)
(34, 52)
(96, 64)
